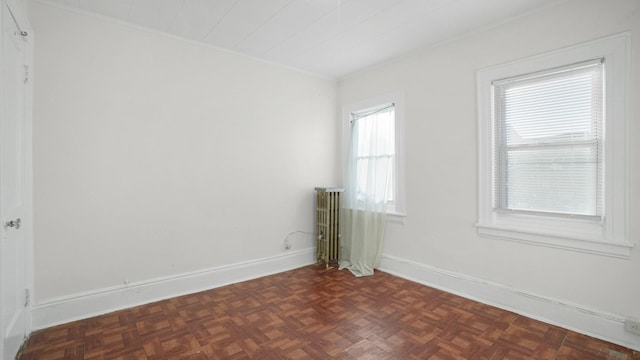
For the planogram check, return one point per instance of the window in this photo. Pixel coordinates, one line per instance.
(552, 148)
(548, 141)
(369, 127)
(376, 127)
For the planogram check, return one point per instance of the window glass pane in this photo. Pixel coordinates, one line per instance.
(548, 148)
(557, 180)
(375, 158)
(550, 110)
(382, 166)
(376, 134)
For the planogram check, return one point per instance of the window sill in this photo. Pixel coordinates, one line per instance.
(396, 218)
(393, 217)
(618, 250)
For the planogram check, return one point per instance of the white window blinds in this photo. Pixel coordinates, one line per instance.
(548, 147)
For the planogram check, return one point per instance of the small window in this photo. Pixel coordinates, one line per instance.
(373, 138)
(374, 131)
(552, 153)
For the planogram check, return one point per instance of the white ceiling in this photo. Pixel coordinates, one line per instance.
(328, 37)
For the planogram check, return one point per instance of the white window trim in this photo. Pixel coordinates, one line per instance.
(398, 215)
(608, 237)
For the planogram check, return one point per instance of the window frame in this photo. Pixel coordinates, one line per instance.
(396, 213)
(504, 149)
(362, 114)
(608, 236)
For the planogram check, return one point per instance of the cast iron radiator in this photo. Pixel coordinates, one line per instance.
(328, 225)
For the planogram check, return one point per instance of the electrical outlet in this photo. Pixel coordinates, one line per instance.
(632, 326)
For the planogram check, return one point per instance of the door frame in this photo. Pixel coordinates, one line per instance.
(18, 10)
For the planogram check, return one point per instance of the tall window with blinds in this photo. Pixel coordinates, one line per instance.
(552, 148)
(548, 135)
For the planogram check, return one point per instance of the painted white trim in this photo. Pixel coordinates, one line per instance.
(533, 237)
(396, 218)
(28, 155)
(591, 322)
(101, 301)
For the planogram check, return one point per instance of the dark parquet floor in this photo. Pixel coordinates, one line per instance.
(315, 313)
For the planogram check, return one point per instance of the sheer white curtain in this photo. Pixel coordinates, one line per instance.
(368, 189)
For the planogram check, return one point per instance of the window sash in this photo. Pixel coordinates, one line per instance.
(389, 187)
(548, 142)
(370, 128)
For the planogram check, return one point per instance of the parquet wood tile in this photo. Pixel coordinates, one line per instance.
(317, 313)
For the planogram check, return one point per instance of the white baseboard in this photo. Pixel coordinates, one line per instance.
(608, 327)
(84, 305)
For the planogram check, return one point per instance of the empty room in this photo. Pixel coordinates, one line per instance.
(320, 179)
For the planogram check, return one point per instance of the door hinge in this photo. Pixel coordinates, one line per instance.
(26, 74)
(27, 297)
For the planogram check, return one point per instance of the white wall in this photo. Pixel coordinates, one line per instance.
(439, 85)
(155, 157)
